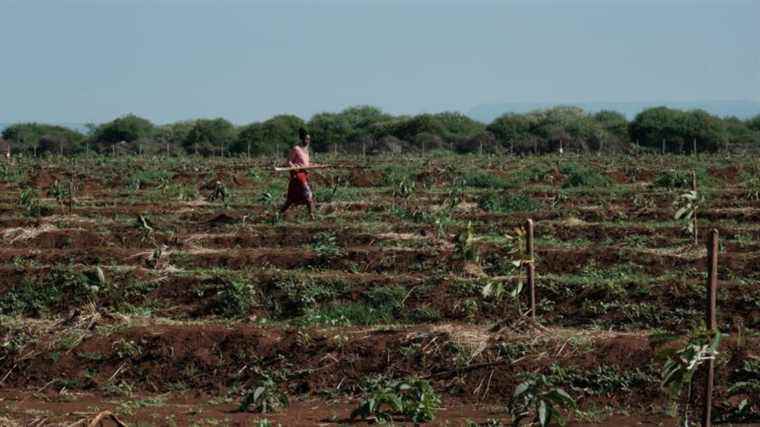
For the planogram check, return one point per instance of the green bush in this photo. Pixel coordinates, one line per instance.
(60, 289)
(484, 180)
(583, 177)
(411, 398)
(234, 299)
(507, 203)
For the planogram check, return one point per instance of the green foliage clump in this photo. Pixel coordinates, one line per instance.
(325, 245)
(479, 179)
(234, 299)
(673, 179)
(274, 136)
(743, 401)
(413, 399)
(583, 177)
(678, 130)
(266, 397)
(41, 138)
(539, 398)
(679, 370)
(129, 128)
(507, 203)
(61, 288)
(29, 201)
(209, 137)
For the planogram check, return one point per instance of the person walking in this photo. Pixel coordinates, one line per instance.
(299, 190)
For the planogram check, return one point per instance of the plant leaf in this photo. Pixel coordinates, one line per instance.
(543, 413)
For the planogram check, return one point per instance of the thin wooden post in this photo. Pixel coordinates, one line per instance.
(531, 268)
(694, 146)
(711, 321)
(694, 219)
(663, 147)
(249, 149)
(71, 194)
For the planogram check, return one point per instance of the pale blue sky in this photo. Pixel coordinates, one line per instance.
(167, 60)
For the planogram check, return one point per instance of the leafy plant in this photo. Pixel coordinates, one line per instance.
(687, 205)
(30, 203)
(678, 372)
(60, 191)
(219, 192)
(673, 179)
(746, 391)
(752, 189)
(265, 397)
(465, 247)
(325, 245)
(404, 189)
(538, 398)
(583, 177)
(480, 179)
(234, 300)
(411, 398)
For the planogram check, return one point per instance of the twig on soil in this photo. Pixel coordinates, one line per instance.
(408, 295)
(38, 422)
(466, 369)
(562, 348)
(488, 386)
(39, 390)
(105, 414)
(116, 372)
(5, 377)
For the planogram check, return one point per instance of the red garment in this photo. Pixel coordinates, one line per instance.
(299, 192)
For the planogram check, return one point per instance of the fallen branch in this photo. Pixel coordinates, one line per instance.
(106, 414)
(466, 369)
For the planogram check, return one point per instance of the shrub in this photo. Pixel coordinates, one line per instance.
(234, 300)
(265, 398)
(583, 177)
(507, 203)
(412, 398)
(480, 179)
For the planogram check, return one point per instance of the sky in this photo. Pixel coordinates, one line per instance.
(75, 61)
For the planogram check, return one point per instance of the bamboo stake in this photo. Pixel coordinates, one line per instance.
(694, 189)
(711, 320)
(531, 268)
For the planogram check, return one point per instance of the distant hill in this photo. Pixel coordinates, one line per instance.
(741, 109)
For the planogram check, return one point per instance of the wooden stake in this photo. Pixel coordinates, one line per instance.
(71, 194)
(711, 321)
(694, 189)
(694, 146)
(531, 268)
(663, 146)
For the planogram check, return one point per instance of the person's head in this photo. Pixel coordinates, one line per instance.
(304, 136)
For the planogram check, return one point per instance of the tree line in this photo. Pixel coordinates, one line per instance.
(369, 130)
